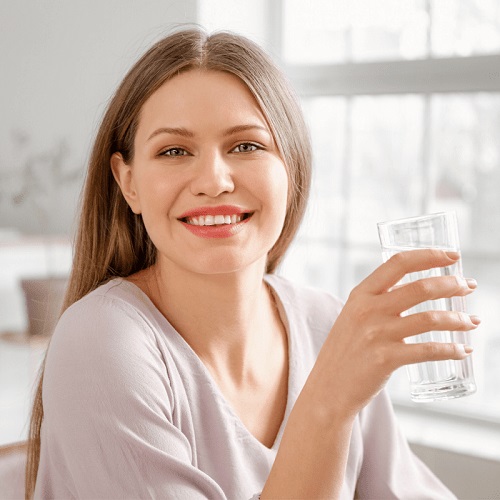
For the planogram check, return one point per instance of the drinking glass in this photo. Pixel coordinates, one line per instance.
(432, 380)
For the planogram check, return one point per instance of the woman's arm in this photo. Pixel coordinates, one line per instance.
(365, 345)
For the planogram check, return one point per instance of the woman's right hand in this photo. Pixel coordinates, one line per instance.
(366, 343)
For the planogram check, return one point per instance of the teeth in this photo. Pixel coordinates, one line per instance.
(212, 220)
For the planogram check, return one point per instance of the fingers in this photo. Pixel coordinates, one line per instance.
(409, 353)
(415, 324)
(404, 297)
(392, 271)
(432, 351)
(390, 356)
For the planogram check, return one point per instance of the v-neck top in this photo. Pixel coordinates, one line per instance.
(130, 411)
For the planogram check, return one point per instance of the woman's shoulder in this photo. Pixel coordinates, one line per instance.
(115, 296)
(114, 315)
(115, 292)
(105, 353)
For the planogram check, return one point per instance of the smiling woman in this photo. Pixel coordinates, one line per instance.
(203, 149)
(183, 366)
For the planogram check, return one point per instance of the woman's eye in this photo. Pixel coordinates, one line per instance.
(245, 147)
(174, 152)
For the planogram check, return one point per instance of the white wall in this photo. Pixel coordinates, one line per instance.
(60, 61)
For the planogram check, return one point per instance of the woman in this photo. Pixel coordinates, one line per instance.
(182, 366)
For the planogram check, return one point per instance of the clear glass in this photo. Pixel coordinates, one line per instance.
(432, 380)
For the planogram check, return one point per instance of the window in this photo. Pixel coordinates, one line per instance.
(403, 103)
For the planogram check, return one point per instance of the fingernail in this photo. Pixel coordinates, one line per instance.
(471, 283)
(453, 255)
(462, 282)
(464, 349)
(475, 319)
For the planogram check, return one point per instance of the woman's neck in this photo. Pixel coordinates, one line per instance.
(229, 320)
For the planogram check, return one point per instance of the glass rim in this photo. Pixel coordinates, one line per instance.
(404, 220)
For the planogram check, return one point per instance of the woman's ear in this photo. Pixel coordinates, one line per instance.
(123, 175)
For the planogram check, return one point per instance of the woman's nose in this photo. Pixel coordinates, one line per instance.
(212, 177)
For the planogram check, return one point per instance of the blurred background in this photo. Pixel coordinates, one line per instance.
(403, 103)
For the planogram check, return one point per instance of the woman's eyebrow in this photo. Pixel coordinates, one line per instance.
(171, 130)
(244, 128)
(184, 132)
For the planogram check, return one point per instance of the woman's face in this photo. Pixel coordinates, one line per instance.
(206, 176)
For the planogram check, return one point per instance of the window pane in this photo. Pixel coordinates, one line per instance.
(315, 33)
(389, 29)
(313, 264)
(315, 257)
(325, 117)
(465, 158)
(329, 31)
(465, 28)
(358, 264)
(326, 120)
(386, 165)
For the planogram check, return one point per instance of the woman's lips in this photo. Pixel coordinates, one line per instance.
(213, 210)
(215, 222)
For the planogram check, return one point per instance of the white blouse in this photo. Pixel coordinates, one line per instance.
(130, 411)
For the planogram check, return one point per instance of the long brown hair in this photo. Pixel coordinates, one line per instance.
(111, 240)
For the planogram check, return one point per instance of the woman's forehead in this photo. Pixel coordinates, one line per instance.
(200, 98)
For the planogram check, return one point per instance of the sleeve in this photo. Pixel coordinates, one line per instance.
(390, 470)
(108, 407)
